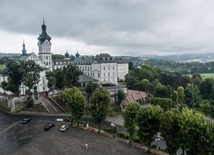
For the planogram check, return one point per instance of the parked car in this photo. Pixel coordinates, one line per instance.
(26, 120)
(48, 126)
(64, 128)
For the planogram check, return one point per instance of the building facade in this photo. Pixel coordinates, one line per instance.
(102, 68)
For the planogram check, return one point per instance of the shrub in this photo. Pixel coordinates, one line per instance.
(115, 130)
(29, 103)
(122, 135)
(136, 139)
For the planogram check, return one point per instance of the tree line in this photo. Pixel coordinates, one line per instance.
(172, 89)
(183, 68)
(181, 129)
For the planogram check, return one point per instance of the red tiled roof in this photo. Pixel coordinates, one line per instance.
(133, 96)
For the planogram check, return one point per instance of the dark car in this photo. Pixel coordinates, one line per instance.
(48, 126)
(26, 120)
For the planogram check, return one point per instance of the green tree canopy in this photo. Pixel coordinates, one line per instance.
(31, 74)
(51, 79)
(60, 78)
(100, 105)
(121, 95)
(130, 118)
(164, 103)
(15, 76)
(90, 88)
(170, 130)
(206, 88)
(72, 73)
(75, 101)
(148, 122)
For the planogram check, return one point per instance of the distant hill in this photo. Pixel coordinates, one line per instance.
(205, 57)
(9, 55)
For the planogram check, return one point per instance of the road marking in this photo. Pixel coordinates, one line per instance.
(9, 127)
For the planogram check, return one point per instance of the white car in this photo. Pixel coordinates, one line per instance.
(64, 128)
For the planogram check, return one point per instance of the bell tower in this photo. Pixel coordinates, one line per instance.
(44, 44)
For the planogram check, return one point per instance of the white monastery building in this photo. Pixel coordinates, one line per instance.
(103, 67)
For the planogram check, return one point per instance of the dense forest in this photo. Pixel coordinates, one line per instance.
(194, 91)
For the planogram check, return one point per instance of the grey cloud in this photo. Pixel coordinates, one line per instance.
(123, 25)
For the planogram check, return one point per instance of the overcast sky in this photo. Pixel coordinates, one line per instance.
(117, 27)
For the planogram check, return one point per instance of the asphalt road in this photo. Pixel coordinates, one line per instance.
(17, 138)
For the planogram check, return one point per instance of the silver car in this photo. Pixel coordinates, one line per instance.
(63, 128)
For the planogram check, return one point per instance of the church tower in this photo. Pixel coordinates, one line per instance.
(44, 45)
(24, 52)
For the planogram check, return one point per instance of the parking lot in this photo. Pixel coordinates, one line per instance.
(17, 138)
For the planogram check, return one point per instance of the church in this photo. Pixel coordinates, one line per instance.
(102, 68)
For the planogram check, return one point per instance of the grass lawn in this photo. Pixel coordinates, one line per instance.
(2, 66)
(204, 75)
(207, 75)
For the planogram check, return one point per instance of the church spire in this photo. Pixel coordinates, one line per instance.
(77, 54)
(44, 36)
(23, 48)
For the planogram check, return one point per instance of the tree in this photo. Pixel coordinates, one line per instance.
(121, 95)
(170, 130)
(100, 106)
(144, 85)
(194, 129)
(15, 75)
(206, 106)
(148, 121)
(51, 79)
(130, 119)
(90, 88)
(180, 91)
(175, 98)
(58, 57)
(31, 74)
(161, 91)
(188, 98)
(60, 78)
(196, 79)
(130, 81)
(72, 73)
(206, 88)
(4, 85)
(130, 66)
(76, 102)
(164, 103)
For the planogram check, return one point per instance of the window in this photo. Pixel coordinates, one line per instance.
(98, 74)
(104, 68)
(108, 74)
(104, 74)
(46, 57)
(108, 67)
